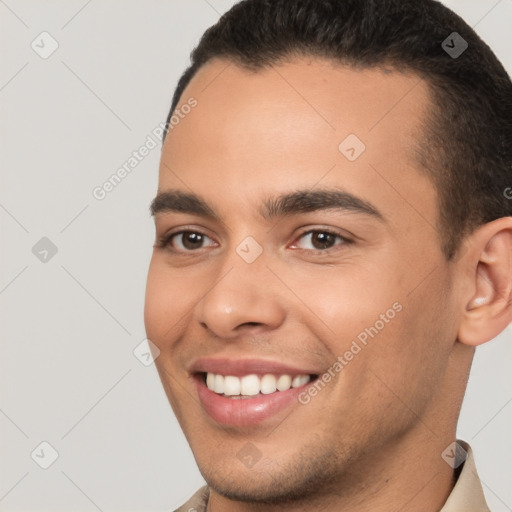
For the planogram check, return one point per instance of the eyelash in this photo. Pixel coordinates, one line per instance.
(319, 252)
(165, 241)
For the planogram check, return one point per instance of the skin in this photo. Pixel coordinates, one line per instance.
(373, 437)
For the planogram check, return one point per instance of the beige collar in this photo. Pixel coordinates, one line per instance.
(467, 494)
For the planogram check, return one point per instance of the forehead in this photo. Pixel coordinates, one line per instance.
(323, 94)
(296, 124)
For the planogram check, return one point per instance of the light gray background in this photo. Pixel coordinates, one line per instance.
(70, 325)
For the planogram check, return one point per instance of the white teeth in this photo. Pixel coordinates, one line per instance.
(231, 385)
(251, 385)
(210, 381)
(268, 384)
(284, 382)
(219, 384)
(300, 380)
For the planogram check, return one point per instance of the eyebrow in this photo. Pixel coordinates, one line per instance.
(181, 202)
(306, 201)
(293, 203)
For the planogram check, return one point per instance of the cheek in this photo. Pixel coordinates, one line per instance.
(411, 354)
(401, 336)
(165, 302)
(346, 300)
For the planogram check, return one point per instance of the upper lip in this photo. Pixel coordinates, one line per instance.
(241, 367)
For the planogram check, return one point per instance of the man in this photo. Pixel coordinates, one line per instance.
(333, 240)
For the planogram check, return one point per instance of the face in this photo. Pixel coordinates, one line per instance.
(297, 291)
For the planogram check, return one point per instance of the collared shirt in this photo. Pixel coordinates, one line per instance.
(466, 496)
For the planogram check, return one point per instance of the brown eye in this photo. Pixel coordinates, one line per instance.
(322, 240)
(190, 240)
(319, 240)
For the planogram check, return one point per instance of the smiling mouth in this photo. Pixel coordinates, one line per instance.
(246, 393)
(253, 385)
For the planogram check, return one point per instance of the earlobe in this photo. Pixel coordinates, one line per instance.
(489, 308)
(479, 301)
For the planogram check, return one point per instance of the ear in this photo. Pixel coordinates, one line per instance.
(488, 305)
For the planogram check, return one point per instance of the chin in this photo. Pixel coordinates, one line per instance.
(269, 492)
(270, 482)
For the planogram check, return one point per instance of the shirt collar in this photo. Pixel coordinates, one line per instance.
(467, 494)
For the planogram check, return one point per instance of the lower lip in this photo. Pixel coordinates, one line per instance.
(244, 412)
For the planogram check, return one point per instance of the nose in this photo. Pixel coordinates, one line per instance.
(244, 299)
